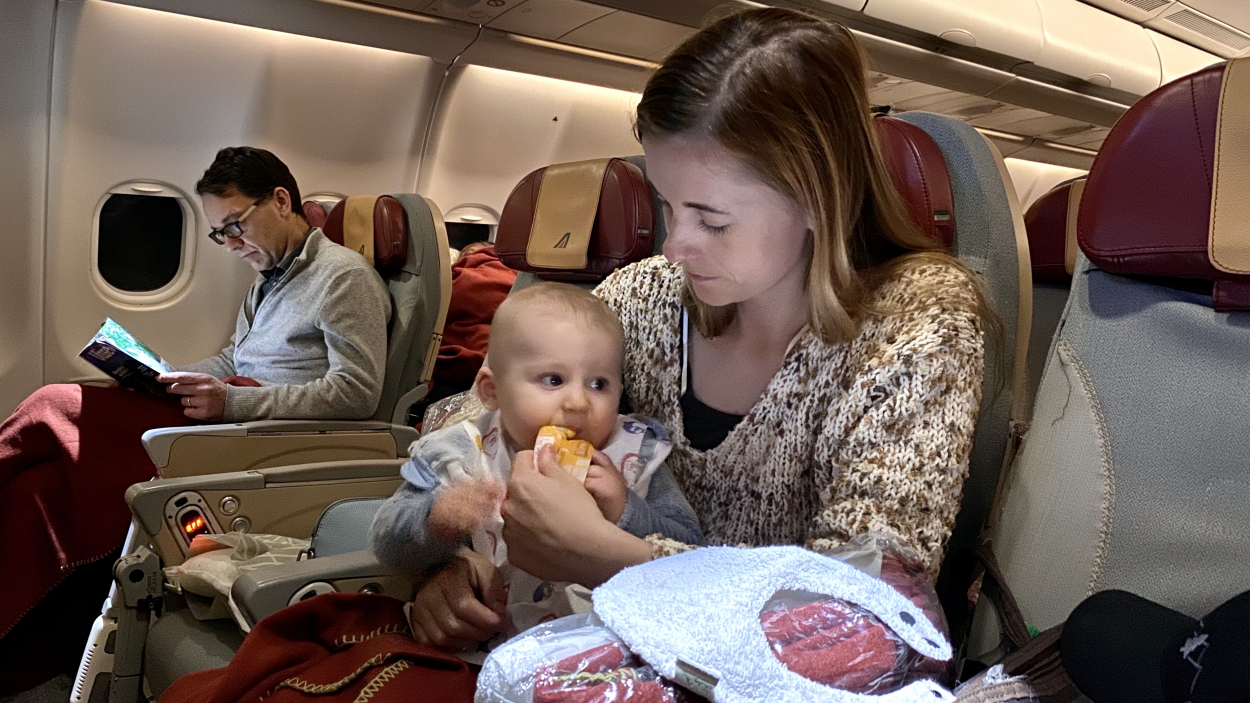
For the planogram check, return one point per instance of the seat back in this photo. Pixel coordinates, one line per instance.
(1135, 475)
(316, 211)
(1051, 225)
(990, 239)
(404, 237)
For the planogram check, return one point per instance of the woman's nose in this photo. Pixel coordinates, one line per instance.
(680, 244)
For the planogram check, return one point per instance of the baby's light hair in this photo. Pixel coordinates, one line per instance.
(590, 308)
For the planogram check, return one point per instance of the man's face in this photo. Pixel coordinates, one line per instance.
(264, 240)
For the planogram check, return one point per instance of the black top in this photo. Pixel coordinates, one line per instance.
(704, 426)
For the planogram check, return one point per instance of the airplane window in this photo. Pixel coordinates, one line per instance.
(140, 241)
(461, 234)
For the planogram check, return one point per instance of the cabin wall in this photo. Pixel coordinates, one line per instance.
(26, 28)
(143, 95)
(495, 126)
(1033, 179)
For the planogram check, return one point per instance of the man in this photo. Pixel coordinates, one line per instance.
(310, 343)
(312, 329)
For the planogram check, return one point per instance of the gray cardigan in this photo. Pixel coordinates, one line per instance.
(316, 342)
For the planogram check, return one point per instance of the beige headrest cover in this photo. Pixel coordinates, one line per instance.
(564, 216)
(1229, 244)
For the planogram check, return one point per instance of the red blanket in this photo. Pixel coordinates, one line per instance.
(479, 283)
(67, 455)
(334, 647)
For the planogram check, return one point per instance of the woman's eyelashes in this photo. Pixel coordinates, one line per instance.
(712, 230)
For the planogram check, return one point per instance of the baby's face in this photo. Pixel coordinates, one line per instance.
(559, 370)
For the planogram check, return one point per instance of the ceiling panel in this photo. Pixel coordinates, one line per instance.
(548, 19)
(629, 34)
(884, 89)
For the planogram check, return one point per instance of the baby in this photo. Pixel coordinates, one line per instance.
(555, 358)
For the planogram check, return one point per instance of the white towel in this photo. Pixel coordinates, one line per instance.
(694, 617)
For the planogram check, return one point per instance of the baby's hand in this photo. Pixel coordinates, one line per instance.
(607, 485)
(461, 507)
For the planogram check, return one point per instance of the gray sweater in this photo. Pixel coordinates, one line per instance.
(316, 342)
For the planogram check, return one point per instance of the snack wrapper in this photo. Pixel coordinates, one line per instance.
(573, 455)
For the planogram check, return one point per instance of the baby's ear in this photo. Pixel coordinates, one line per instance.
(486, 389)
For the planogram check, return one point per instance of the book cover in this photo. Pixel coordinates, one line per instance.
(121, 355)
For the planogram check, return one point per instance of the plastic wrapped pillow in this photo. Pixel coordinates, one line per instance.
(569, 660)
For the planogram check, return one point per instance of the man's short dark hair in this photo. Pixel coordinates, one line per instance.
(250, 171)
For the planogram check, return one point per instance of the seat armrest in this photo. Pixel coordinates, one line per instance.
(158, 442)
(262, 592)
(284, 500)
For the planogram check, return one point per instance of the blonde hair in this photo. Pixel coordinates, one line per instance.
(786, 93)
(512, 313)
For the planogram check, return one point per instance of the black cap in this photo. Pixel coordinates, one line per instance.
(1120, 648)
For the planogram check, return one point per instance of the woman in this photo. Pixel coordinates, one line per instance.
(816, 359)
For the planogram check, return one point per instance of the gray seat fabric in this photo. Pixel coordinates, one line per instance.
(985, 240)
(178, 644)
(344, 527)
(1134, 475)
(417, 293)
(1049, 300)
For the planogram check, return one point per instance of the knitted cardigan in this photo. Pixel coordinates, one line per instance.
(868, 435)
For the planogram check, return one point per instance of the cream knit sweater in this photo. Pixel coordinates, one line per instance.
(873, 434)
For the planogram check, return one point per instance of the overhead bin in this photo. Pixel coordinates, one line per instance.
(1178, 58)
(1096, 46)
(1009, 27)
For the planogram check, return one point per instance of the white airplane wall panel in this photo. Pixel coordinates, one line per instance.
(25, 51)
(146, 95)
(1096, 46)
(1033, 179)
(1179, 59)
(494, 127)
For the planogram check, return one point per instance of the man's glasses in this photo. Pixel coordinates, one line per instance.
(233, 230)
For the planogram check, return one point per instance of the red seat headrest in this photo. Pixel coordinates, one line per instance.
(1051, 225)
(315, 213)
(621, 220)
(388, 249)
(916, 165)
(1147, 207)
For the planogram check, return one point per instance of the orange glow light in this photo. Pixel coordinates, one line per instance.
(194, 525)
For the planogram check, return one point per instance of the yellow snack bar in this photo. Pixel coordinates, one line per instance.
(572, 454)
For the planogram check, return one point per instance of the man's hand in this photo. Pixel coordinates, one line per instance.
(607, 485)
(203, 396)
(462, 605)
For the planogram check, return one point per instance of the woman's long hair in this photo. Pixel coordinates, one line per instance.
(785, 92)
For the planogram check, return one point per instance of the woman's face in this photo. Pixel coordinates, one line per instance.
(736, 236)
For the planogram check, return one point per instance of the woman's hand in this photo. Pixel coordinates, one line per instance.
(607, 486)
(554, 529)
(462, 605)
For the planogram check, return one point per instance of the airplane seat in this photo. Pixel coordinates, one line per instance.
(315, 212)
(918, 170)
(989, 237)
(626, 218)
(1051, 225)
(404, 237)
(1134, 475)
